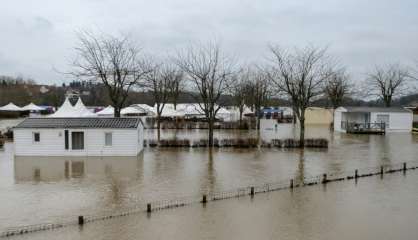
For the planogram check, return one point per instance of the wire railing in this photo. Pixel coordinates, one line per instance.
(215, 196)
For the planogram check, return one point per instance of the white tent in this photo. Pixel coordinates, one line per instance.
(109, 111)
(224, 114)
(68, 111)
(145, 108)
(193, 109)
(11, 107)
(131, 111)
(168, 111)
(82, 110)
(32, 107)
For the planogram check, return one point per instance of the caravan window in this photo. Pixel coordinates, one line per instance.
(108, 139)
(77, 140)
(36, 137)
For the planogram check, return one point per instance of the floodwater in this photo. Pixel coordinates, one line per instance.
(372, 208)
(36, 190)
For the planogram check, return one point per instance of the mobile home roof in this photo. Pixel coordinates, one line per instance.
(377, 109)
(120, 123)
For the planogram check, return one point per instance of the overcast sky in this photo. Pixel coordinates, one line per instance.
(37, 37)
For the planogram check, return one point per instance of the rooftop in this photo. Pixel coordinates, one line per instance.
(121, 123)
(376, 109)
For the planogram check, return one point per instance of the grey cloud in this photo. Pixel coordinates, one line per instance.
(360, 33)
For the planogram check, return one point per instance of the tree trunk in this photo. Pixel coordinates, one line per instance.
(210, 126)
(240, 117)
(302, 129)
(158, 127)
(388, 101)
(117, 111)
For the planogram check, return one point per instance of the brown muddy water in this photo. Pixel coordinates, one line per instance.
(374, 208)
(36, 190)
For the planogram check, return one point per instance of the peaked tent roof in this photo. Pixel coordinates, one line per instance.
(82, 110)
(32, 107)
(68, 111)
(108, 111)
(11, 107)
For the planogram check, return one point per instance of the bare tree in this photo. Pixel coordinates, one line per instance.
(115, 61)
(258, 91)
(239, 90)
(388, 82)
(176, 86)
(158, 81)
(300, 75)
(208, 71)
(337, 87)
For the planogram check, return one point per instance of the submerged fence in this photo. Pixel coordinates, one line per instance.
(205, 198)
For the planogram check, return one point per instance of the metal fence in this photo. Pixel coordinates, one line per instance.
(215, 196)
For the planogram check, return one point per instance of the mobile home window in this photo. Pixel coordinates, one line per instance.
(108, 139)
(77, 140)
(36, 137)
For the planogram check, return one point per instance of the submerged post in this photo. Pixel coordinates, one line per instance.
(252, 191)
(404, 167)
(324, 178)
(149, 208)
(356, 174)
(381, 170)
(291, 183)
(80, 220)
(204, 200)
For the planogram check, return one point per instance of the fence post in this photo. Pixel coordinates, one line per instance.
(381, 170)
(291, 183)
(324, 178)
(204, 200)
(80, 220)
(404, 167)
(252, 191)
(149, 208)
(356, 174)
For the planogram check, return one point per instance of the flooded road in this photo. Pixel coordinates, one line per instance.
(374, 208)
(35, 190)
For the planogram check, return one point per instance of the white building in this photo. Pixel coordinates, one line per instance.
(392, 119)
(79, 137)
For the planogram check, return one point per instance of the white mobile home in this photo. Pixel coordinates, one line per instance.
(79, 137)
(369, 119)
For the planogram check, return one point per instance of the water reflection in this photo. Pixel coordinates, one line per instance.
(60, 168)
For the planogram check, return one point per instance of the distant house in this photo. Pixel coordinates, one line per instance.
(372, 119)
(317, 115)
(79, 137)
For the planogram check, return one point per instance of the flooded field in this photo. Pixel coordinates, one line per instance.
(35, 190)
(373, 208)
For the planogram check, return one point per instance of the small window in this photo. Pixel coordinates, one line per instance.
(108, 139)
(77, 140)
(36, 137)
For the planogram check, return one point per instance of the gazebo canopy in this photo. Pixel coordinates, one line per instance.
(11, 107)
(32, 107)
